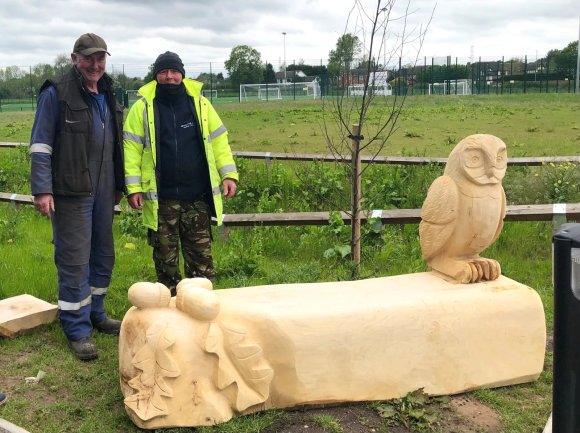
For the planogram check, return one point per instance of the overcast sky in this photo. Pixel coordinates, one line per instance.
(136, 31)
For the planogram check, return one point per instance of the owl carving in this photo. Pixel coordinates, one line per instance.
(464, 211)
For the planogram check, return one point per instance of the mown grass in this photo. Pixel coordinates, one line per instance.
(531, 124)
(76, 396)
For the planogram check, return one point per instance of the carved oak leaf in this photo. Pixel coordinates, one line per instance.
(240, 363)
(156, 363)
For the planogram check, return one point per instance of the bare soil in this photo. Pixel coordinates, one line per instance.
(463, 415)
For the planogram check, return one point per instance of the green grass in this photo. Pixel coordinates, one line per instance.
(328, 423)
(76, 396)
(530, 124)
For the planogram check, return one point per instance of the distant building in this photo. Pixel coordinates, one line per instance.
(293, 77)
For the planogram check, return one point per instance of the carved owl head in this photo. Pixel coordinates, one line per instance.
(479, 158)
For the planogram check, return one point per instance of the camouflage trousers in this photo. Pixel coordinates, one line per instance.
(186, 223)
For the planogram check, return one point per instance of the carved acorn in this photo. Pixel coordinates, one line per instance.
(149, 295)
(198, 302)
(195, 282)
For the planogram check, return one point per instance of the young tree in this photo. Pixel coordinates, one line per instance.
(244, 65)
(364, 123)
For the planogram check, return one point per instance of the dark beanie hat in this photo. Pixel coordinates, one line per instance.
(168, 60)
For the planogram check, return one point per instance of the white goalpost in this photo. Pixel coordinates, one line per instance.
(376, 90)
(451, 87)
(132, 96)
(267, 93)
(377, 85)
(279, 91)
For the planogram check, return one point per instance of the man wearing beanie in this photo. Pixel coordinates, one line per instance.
(76, 178)
(176, 168)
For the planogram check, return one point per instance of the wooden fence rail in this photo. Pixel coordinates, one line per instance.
(538, 212)
(400, 160)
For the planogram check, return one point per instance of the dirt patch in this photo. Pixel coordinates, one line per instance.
(471, 416)
(550, 342)
(463, 414)
(351, 419)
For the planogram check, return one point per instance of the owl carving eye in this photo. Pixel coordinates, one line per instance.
(501, 160)
(473, 158)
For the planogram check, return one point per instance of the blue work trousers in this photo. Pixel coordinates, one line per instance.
(84, 255)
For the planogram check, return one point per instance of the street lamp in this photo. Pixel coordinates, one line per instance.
(284, 33)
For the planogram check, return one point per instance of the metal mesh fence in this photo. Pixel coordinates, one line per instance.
(435, 75)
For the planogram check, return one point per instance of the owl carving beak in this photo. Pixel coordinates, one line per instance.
(487, 178)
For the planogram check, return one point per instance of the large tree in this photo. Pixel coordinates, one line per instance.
(348, 47)
(209, 78)
(564, 60)
(62, 63)
(269, 74)
(149, 76)
(244, 65)
(312, 70)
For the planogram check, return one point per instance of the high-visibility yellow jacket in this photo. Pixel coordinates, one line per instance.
(141, 154)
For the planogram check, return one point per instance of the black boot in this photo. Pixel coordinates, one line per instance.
(108, 326)
(84, 349)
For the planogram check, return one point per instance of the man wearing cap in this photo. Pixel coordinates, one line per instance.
(177, 157)
(77, 178)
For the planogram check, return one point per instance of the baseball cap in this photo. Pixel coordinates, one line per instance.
(90, 43)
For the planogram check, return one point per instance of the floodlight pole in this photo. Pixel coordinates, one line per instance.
(284, 33)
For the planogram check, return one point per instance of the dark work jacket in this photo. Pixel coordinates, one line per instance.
(75, 135)
(183, 173)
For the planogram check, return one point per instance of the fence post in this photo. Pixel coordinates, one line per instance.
(479, 76)
(502, 73)
(424, 73)
(526, 74)
(210, 83)
(511, 74)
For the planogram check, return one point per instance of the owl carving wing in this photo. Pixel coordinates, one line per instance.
(438, 216)
(502, 213)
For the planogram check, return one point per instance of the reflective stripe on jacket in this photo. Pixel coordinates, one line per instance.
(141, 156)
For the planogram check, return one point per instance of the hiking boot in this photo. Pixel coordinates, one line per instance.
(2, 398)
(84, 349)
(108, 326)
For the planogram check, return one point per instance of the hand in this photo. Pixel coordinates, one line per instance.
(229, 188)
(44, 203)
(136, 200)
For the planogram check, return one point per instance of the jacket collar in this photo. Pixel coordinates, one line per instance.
(192, 87)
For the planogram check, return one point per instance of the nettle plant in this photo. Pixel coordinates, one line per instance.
(416, 410)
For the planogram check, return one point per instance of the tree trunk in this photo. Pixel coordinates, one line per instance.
(356, 198)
